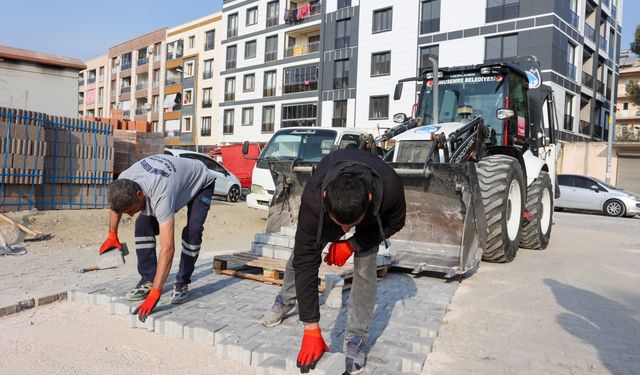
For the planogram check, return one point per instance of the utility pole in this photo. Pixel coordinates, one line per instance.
(612, 110)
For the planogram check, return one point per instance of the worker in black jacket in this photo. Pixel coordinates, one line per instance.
(349, 188)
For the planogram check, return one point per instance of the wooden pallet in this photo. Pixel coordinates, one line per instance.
(271, 271)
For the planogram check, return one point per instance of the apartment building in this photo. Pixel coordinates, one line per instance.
(271, 68)
(627, 114)
(192, 82)
(93, 98)
(366, 46)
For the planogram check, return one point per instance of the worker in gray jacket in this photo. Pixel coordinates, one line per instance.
(157, 187)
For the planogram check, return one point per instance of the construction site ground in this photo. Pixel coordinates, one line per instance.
(571, 309)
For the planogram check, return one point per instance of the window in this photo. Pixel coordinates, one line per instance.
(430, 16)
(205, 129)
(568, 112)
(339, 114)
(381, 64)
(344, 4)
(519, 104)
(187, 124)
(625, 106)
(231, 57)
(271, 48)
(269, 83)
(100, 94)
(187, 97)
(273, 8)
(230, 89)
(382, 20)
(433, 51)
(249, 83)
(188, 69)
(299, 115)
(498, 10)
(208, 69)
(342, 33)
(155, 100)
(101, 74)
(209, 40)
(301, 78)
(227, 126)
(250, 49)
(571, 58)
(379, 107)
(268, 118)
(192, 41)
(501, 47)
(341, 71)
(206, 98)
(232, 25)
(252, 16)
(247, 116)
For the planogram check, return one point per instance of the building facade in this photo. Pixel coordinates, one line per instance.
(628, 113)
(93, 98)
(39, 82)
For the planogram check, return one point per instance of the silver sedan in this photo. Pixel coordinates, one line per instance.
(588, 193)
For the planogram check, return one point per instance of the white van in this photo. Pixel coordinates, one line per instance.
(308, 144)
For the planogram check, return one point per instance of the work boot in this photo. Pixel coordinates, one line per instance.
(278, 311)
(355, 355)
(140, 292)
(179, 294)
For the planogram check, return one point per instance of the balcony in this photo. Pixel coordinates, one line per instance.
(339, 122)
(584, 127)
(574, 19)
(172, 133)
(603, 43)
(571, 71)
(587, 79)
(143, 61)
(91, 80)
(207, 74)
(430, 26)
(207, 103)
(173, 81)
(141, 111)
(589, 32)
(301, 12)
(600, 87)
(125, 66)
(301, 49)
(126, 114)
(300, 86)
(173, 56)
(124, 90)
(229, 96)
(142, 86)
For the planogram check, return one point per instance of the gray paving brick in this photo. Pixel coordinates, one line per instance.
(174, 326)
(120, 307)
(413, 362)
(272, 366)
(150, 322)
(238, 349)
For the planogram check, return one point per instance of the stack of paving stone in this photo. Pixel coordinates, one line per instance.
(53, 162)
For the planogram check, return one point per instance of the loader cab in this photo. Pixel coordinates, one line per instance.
(466, 93)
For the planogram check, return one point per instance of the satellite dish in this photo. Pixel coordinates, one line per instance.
(149, 50)
(146, 106)
(117, 60)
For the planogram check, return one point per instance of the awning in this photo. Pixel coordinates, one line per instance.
(169, 101)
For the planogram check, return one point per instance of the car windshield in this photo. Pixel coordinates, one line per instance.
(461, 95)
(305, 144)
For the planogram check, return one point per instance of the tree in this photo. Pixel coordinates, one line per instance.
(635, 45)
(633, 91)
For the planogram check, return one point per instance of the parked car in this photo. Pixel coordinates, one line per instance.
(588, 193)
(227, 184)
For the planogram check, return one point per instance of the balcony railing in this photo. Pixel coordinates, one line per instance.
(142, 86)
(272, 21)
(91, 80)
(126, 113)
(229, 96)
(300, 87)
(571, 71)
(587, 79)
(231, 64)
(172, 56)
(125, 66)
(304, 49)
(271, 91)
(343, 42)
(125, 90)
(143, 61)
(172, 133)
(600, 87)
(603, 43)
(299, 14)
(589, 32)
(207, 103)
(502, 12)
(173, 81)
(430, 26)
(270, 56)
(339, 122)
(574, 19)
(568, 122)
(141, 111)
(584, 127)
(207, 74)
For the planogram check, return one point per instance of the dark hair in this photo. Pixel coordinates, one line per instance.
(347, 199)
(122, 193)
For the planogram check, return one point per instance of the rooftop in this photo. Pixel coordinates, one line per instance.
(12, 53)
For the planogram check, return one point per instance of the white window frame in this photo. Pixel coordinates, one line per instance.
(184, 125)
(184, 97)
(189, 68)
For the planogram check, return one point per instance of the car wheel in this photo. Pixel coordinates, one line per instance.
(614, 208)
(234, 194)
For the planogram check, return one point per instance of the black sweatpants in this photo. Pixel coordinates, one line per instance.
(147, 228)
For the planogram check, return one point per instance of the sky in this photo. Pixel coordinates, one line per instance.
(86, 29)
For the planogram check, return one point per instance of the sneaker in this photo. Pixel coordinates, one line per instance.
(277, 313)
(355, 355)
(179, 294)
(140, 292)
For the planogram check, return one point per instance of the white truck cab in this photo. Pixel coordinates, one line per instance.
(309, 144)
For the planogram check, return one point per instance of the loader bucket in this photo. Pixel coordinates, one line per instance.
(445, 226)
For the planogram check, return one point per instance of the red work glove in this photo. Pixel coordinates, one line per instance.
(339, 252)
(111, 242)
(147, 306)
(313, 347)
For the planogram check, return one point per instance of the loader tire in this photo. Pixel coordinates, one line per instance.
(503, 191)
(536, 230)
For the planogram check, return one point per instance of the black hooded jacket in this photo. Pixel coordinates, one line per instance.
(384, 217)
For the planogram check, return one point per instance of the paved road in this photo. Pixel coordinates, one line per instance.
(571, 309)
